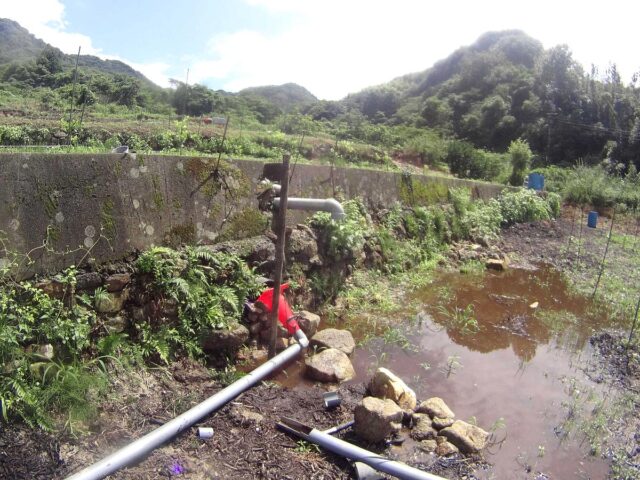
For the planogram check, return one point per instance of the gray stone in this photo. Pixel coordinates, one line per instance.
(330, 365)
(118, 281)
(255, 250)
(440, 423)
(111, 302)
(444, 449)
(333, 338)
(435, 407)
(376, 419)
(226, 340)
(497, 264)
(428, 446)
(422, 428)
(245, 416)
(302, 247)
(308, 322)
(88, 281)
(42, 352)
(53, 288)
(115, 324)
(385, 384)
(468, 438)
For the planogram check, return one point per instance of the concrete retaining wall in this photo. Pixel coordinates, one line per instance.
(64, 209)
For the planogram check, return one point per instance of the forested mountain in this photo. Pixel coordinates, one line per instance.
(17, 45)
(287, 97)
(506, 86)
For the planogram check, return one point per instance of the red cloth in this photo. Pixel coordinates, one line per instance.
(285, 314)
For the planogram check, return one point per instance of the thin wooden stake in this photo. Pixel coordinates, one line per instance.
(633, 326)
(604, 257)
(281, 227)
(576, 265)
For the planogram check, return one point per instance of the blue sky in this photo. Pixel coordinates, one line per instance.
(332, 47)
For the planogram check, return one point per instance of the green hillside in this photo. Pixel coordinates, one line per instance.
(287, 97)
(506, 86)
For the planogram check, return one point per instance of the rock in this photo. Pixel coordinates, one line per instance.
(330, 365)
(445, 448)
(255, 250)
(111, 302)
(116, 324)
(435, 407)
(88, 281)
(168, 309)
(386, 384)
(468, 438)
(376, 419)
(225, 340)
(496, 264)
(308, 322)
(422, 428)
(302, 248)
(53, 288)
(333, 338)
(259, 356)
(428, 446)
(440, 423)
(118, 281)
(42, 352)
(245, 416)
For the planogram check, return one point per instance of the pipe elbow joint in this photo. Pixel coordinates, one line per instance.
(301, 338)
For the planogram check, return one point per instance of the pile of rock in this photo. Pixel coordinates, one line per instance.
(491, 256)
(329, 359)
(432, 423)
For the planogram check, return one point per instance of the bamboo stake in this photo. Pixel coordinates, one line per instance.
(604, 257)
(281, 226)
(633, 326)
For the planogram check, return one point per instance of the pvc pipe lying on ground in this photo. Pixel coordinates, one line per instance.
(348, 450)
(157, 437)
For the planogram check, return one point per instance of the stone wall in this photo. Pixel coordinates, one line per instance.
(62, 209)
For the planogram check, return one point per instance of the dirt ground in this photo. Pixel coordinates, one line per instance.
(246, 443)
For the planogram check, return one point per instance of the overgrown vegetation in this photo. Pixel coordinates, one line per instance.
(56, 351)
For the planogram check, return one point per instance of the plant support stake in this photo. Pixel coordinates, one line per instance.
(281, 226)
(604, 257)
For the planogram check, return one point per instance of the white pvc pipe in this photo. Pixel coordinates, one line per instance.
(152, 440)
(314, 204)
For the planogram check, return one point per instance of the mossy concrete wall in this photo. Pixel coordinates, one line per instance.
(63, 209)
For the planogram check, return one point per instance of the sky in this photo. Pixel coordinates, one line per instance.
(331, 47)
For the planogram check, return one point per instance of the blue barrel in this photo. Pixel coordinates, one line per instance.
(536, 181)
(592, 219)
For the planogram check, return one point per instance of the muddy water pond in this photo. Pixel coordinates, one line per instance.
(501, 348)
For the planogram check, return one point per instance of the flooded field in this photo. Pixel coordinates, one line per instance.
(505, 349)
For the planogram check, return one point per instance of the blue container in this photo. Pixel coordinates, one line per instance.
(536, 181)
(592, 219)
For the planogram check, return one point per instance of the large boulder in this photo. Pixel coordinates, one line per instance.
(435, 407)
(308, 322)
(333, 338)
(376, 419)
(385, 384)
(227, 340)
(330, 365)
(468, 438)
(88, 281)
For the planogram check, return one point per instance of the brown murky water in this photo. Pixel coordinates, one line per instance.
(516, 367)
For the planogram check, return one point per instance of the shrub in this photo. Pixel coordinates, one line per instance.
(523, 205)
(520, 154)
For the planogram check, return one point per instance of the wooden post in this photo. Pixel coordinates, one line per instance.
(281, 227)
(604, 257)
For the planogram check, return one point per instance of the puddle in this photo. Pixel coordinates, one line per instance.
(515, 367)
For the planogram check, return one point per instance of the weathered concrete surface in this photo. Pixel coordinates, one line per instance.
(111, 204)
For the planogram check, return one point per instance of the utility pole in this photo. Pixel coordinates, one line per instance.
(186, 94)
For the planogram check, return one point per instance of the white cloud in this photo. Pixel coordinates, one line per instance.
(339, 46)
